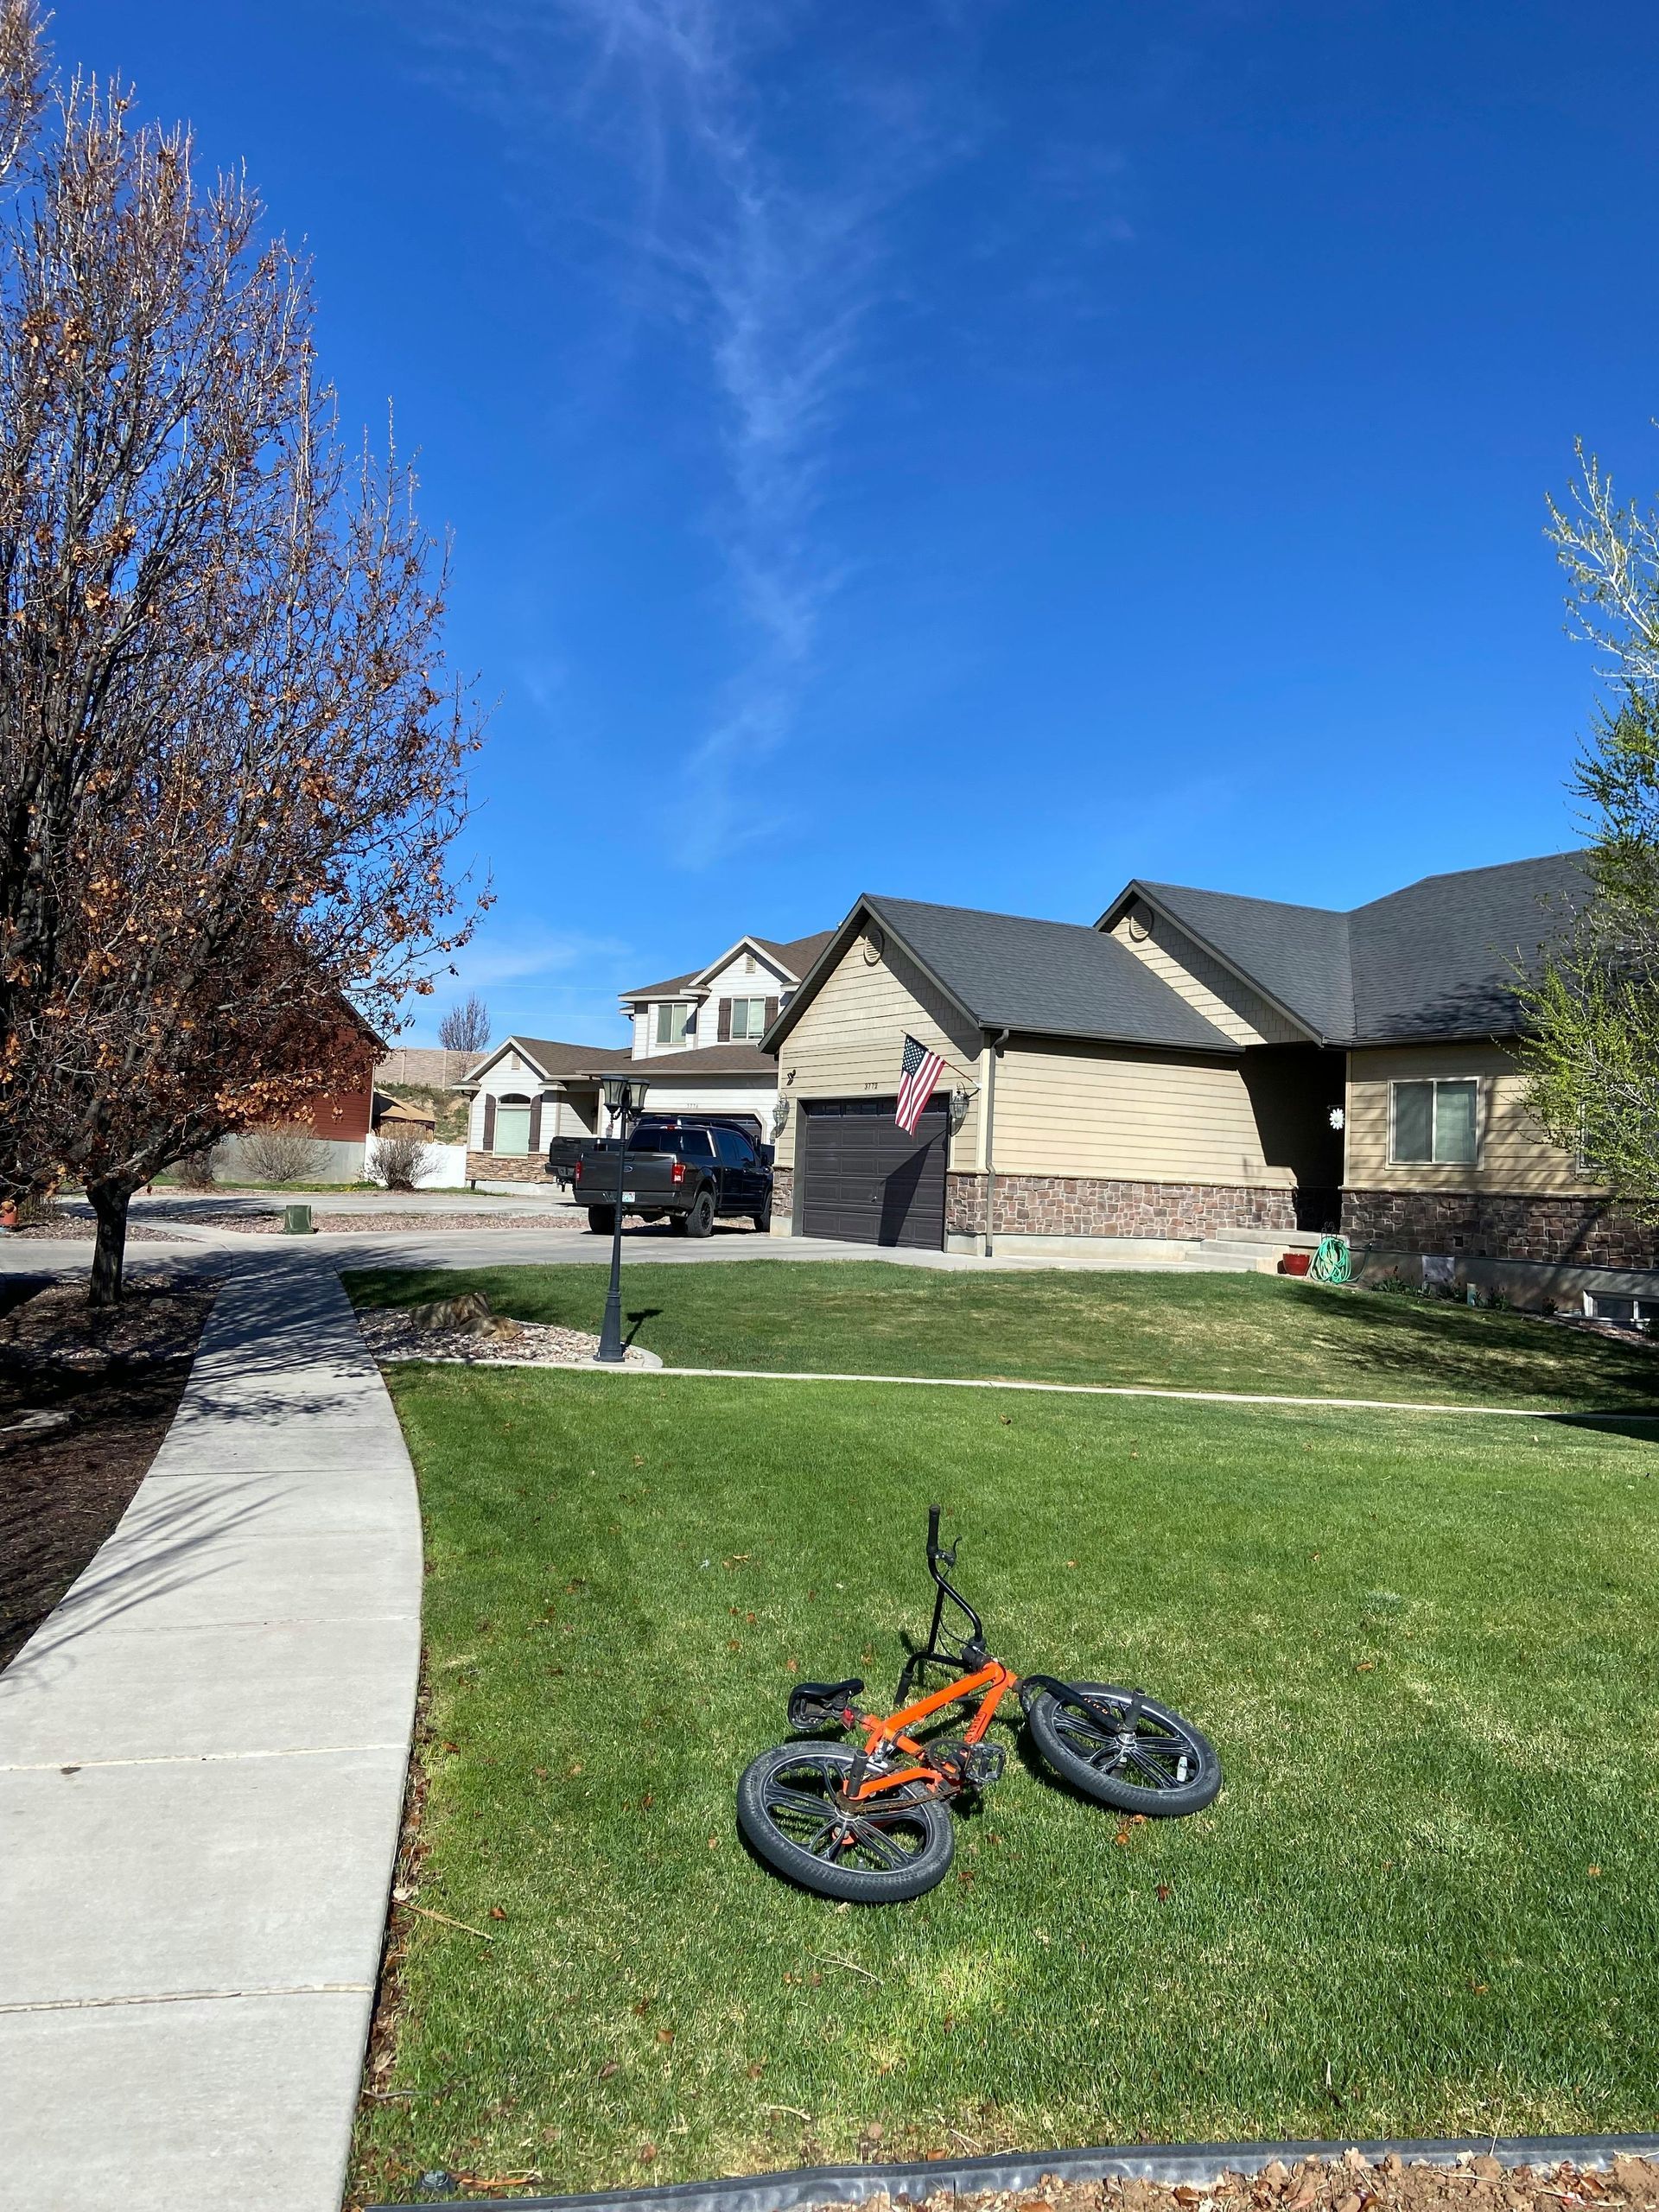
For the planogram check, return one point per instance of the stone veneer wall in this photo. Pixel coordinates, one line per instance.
(507, 1168)
(782, 1194)
(1089, 1205)
(1499, 1225)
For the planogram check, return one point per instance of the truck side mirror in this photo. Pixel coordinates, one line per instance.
(768, 1153)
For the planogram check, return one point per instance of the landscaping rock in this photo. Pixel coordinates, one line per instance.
(43, 1422)
(83, 1359)
(466, 1312)
(391, 1332)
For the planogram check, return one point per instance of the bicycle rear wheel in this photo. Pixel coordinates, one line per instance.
(1162, 1766)
(894, 1846)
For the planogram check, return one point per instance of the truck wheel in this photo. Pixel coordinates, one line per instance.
(763, 1222)
(700, 1220)
(601, 1220)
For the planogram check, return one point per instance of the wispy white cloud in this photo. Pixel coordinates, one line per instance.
(530, 957)
(540, 983)
(762, 232)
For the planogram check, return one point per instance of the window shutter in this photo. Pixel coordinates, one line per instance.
(725, 1022)
(536, 1124)
(772, 1012)
(489, 1121)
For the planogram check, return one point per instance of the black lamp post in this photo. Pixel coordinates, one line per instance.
(624, 1095)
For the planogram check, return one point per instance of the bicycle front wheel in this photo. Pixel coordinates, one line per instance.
(893, 1847)
(1161, 1766)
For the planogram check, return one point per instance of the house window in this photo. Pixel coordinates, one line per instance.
(513, 1125)
(670, 1023)
(748, 1017)
(1435, 1121)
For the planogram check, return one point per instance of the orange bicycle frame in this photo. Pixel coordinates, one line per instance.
(991, 1683)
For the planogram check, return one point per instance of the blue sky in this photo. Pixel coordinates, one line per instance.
(977, 450)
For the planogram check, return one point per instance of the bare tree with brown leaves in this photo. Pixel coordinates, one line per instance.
(230, 764)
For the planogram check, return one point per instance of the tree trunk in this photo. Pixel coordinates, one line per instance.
(109, 1202)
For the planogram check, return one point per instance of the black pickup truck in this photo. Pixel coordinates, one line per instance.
(685, 1169)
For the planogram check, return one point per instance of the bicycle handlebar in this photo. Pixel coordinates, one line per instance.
(933, 1512)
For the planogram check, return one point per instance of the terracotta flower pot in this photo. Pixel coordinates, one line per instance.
(1294, 1263)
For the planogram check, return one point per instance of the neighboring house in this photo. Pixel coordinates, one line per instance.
(700, 1032)
(340, 1122)
(403, 1117)
(733, 1001)
(1193, 1064)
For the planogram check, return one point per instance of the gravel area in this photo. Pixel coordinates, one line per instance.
(1348, 2185)
(84, 1229)
(373, 1224)
(391, 1336)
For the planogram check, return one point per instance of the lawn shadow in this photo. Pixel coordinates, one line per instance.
(636, 1321)
(1441, 1345)
(1633, 1427)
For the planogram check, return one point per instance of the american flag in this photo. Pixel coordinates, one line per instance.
(919, 1073)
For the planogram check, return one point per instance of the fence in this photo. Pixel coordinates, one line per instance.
(449, 1171)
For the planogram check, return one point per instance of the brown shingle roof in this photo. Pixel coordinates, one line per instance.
(564, 1063)
(795, 954)
(669, 983)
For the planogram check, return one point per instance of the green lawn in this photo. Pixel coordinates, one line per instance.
(1426, 1650)
(1220, 1332)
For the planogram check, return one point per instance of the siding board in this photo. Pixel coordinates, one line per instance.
(1208, 987)
(847, 1042)
(1106, 1111)
(1514, 1153)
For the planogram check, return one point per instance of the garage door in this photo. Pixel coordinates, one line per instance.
(864, 1179)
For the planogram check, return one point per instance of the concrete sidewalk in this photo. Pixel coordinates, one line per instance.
(202, 1758)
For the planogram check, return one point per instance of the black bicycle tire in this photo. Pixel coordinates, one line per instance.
(1127, 1796)
(925, 1870)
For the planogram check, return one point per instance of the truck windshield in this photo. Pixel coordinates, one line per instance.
(684, 1144)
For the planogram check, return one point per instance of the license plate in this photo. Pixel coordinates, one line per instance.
(627, 1197)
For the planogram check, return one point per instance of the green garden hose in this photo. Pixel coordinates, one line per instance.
(1333, 1262)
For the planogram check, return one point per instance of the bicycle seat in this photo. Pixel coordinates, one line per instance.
(816, 1705)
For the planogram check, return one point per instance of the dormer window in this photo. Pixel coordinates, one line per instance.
(748, 1018)
(671, 1019)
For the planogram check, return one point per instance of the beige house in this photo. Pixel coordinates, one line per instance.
(1194, 1063)
(701, 1032)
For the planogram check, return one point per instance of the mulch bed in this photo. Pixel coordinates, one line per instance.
(83, 1226)
(118, 1377)
(1347, 2184)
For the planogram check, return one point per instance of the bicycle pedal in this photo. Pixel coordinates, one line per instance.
(984, 1765)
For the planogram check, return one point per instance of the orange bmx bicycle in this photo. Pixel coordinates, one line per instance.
(869, 1822)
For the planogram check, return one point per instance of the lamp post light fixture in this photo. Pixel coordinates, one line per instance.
(624, 1095)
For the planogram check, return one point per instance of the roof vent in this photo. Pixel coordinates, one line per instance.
(1140, 922)
(876, 945)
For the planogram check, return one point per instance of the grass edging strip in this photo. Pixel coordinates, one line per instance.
(1139, 1390)
(1196, 2164)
